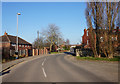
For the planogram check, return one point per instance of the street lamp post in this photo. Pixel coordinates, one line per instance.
(17, 37)
(58, 43)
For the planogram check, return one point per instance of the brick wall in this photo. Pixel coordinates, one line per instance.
(39, 51)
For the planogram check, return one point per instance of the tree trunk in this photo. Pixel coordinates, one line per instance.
(95, 44)
(95, 53)
(110, 54)
(50, 47)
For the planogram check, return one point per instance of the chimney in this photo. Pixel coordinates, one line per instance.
(85, 32)
(5, 33)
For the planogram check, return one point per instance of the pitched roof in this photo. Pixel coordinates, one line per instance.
(4, 38)
(12, 39)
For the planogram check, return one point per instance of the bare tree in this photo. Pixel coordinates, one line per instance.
(67, 44)
(51, 35)
(101, 19)
(39, 43)
(92, 16)
(111, 13)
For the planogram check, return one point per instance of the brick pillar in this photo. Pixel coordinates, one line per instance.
(46, 51)
(33, 52)
(39, 51)
(42, 51)
(36, 51)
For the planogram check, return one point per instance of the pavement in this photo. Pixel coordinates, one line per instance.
(61, 68)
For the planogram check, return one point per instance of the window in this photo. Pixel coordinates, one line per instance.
(22, 45)
(25, 45)
(19, 45)
(87, 42)
(101, 38)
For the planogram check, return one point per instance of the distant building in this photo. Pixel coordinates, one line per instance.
(8, 45)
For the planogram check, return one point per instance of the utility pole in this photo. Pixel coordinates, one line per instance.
(38, 39)
(38, 35)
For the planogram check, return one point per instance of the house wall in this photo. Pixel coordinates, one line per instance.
(86, 38)
(24, 50)
(5, 50)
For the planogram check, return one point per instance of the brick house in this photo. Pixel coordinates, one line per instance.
(115, 37)
(8, 45)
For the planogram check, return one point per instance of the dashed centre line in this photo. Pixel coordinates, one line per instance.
(43, 61)
(44, 72)
(43, 68)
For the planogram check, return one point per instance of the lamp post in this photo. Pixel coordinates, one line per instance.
(17, 37)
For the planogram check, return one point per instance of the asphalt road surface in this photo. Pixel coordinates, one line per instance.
(57, 68)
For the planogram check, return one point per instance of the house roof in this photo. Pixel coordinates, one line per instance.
(12, 39)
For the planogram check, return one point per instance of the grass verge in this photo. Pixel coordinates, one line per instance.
(101, 59)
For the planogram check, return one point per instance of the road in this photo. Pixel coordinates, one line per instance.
(57, 68)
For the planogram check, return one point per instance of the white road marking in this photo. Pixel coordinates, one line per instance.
(43, 62)
(44, 72)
